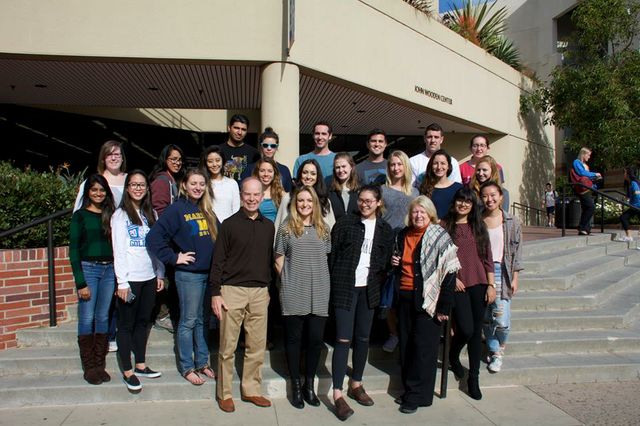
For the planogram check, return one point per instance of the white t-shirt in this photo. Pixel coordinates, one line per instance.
(362, 270)
(419, 166)
(226, 197)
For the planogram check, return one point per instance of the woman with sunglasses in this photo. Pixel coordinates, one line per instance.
(268, 143)
(475, 283)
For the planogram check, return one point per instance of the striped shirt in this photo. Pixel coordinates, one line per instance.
(305, 275)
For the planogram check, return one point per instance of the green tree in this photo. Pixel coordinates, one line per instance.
(596, 92)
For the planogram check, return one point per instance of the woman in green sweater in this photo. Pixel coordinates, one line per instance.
(91, 257)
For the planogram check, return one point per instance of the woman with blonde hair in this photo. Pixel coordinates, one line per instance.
(579, 170)
(266, 171)
(487, 170)
(184, 237)
(343, 190)
(303, 242)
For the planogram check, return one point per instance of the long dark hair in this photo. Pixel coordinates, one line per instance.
(377, 193)
(161, 165)
(631, 177)
(203, 159)
(146, 209)
(474, 219)
(430, 178)
(320, 187)
(107, 206)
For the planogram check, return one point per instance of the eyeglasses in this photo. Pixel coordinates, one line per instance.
(368, 202)
(114, 155)
(270, 145)
(464, 202)
(476, 146)
(135, 185)
(175, 160)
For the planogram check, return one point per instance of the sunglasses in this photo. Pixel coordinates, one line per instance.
(270, 145)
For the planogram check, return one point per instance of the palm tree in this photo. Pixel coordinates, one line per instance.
(423, 6)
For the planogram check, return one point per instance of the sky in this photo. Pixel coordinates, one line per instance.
(447, 5)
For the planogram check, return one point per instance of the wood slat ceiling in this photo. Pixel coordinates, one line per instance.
(202, 86)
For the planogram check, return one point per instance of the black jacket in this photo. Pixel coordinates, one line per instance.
(337, 204)
(347, 236)
(445, 300)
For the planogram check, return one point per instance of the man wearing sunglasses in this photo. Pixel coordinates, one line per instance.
(268, 143)
(235, 150)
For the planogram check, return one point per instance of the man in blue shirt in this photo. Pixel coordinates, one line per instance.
(322, 135)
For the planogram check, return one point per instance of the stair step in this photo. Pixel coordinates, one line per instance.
(560, 259)
(573, 341)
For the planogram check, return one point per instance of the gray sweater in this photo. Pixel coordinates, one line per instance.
(396, 204)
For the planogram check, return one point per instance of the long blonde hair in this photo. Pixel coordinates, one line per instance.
(205, 203)
(408, 172)
(295, 223)
(495, 173)
(276, 189)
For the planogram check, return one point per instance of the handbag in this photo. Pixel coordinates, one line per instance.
(388, 292)
(584, 180)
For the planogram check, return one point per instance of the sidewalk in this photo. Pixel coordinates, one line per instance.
(500, 406)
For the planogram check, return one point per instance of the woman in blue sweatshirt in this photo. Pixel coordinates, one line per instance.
(184, 237)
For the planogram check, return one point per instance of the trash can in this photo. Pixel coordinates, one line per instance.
(572, 210)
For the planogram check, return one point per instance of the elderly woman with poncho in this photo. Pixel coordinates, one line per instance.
(426, 263)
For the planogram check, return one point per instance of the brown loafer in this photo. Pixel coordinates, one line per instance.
(343, 411)
(360, 395)
(226, 405)
(259, 401)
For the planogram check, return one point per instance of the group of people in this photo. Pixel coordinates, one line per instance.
(238, 231)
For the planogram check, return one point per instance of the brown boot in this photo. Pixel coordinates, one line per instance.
(100, 350)
(85, 343)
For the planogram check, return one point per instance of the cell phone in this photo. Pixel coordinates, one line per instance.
(130, 297)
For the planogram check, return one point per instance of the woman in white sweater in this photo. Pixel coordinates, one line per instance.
(225, 192)
(138, 274)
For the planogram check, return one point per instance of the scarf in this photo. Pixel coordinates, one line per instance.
(438, 257)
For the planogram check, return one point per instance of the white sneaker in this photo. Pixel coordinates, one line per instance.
(113, 346)
(496, 363)
(390, 344)
(624, 239)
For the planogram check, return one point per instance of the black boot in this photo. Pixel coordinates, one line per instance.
(85, 343)
(473, 385)
(296, 394)
(100, 350)
(309, 394)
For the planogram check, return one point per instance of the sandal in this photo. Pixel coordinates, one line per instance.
(192, 377)
(207, 371)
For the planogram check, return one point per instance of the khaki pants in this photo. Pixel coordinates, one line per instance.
(246, 305)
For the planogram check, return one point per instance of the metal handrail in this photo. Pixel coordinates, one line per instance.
(53, 321)
(526, 209)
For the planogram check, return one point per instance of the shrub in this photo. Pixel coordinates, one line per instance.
(26, 195)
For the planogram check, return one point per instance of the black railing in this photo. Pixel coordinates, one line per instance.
(528, 210)
(53, 321)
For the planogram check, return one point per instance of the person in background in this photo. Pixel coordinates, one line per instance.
(268, 143)
(236, 151)
(226, 194)
(505, 235)
(267, 173)
(91, 258)
(345, 183)
(240, 295)
(360, 257)
(185, 237)
(632, 188)
(426, 266)
(322, 135)
(374, 168)
(549, 203)
(587, 206)
(309, 174)
(487, 170)
(433, 139)
(138, 274)
(479, 147)
(303, 242)
(437, 185)
(475, 284)
(397, 194)
(165, 180)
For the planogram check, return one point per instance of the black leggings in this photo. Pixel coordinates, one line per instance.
(355, 322)
(468, 313)
(133, 321)
(294, 326)
(626, 217)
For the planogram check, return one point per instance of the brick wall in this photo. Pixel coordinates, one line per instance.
(24, 290)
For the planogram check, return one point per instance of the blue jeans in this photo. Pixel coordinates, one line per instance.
(191, 288)
(498, 319)
(93, 314)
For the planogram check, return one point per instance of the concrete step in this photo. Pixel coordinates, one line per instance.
(553, 245)
(584, 295)
(573, 341)
(560, 259)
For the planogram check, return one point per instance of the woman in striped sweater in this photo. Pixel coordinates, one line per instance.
(303, 242)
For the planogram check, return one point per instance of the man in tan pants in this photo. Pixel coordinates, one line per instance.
(239, 280)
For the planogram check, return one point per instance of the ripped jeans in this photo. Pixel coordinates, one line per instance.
(498, 318)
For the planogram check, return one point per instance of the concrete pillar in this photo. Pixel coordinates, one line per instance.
(280, 85)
